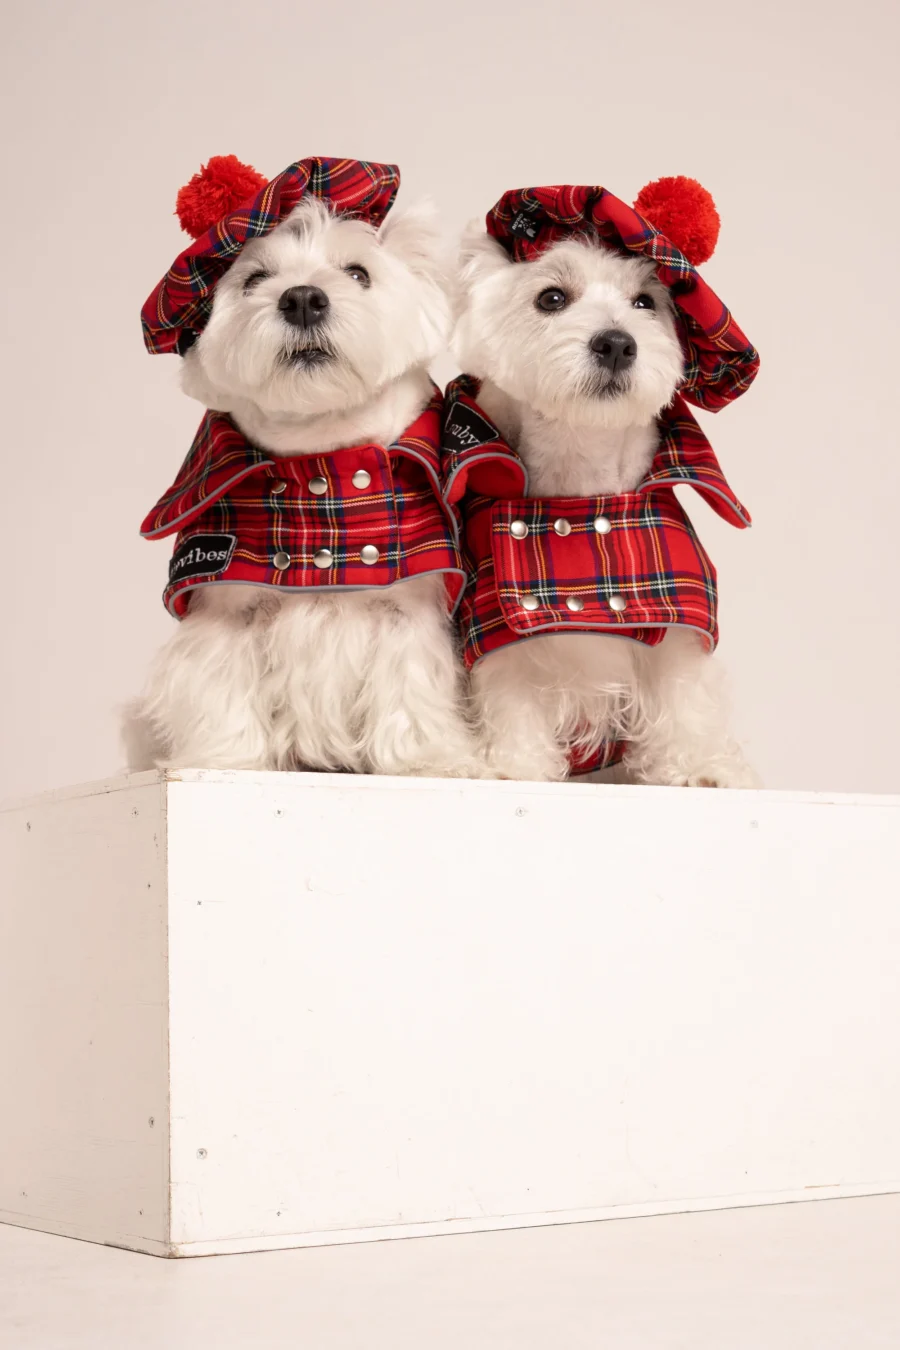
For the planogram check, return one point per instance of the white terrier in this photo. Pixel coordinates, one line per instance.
(579, 356)
(318, 342)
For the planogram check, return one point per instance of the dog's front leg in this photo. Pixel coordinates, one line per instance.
(517, 718)
(201, 708)
(680, 734)
(412, 701)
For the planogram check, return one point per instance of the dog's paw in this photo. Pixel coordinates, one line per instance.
(453, 756)
(462, 766)
(523, 768)
(736, 775)
(724, 770)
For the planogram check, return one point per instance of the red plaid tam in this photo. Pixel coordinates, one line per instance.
(628, 563)
(178, 308)
(720, 362)
(366, 516)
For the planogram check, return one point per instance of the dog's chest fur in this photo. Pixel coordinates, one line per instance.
(379, 421)
(572, 460)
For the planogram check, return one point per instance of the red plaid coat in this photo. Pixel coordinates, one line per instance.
(720, 362)
(356, 518)
(629, 564)
(178, 307)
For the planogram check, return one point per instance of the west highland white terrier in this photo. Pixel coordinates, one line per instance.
(316, 567)
(581, 321)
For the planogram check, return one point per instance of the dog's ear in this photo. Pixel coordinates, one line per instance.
(413, 233)
(480, 255)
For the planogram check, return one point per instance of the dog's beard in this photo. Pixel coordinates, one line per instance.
(307, 351)
(608, 386)
(594, 397)
(310, 374)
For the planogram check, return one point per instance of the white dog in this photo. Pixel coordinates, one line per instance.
(578, 354)
(319, 338)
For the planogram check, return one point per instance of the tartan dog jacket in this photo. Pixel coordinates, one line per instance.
(628, 563)
(179, 306)
(358, 518)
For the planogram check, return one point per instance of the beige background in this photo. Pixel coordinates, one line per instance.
(788, 113)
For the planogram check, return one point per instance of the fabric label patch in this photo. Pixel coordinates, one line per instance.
(464, 429)
(527, 223)
(201, 555)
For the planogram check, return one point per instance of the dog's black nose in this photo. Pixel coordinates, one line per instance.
(614, 350)
(304, 306)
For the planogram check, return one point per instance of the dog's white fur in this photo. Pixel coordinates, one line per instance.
(543, 388)
(363, 681)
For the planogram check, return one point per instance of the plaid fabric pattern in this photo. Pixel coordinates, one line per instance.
(374, 517)
(720, 362)
(179, 306)
(649, 561)
(628, 564)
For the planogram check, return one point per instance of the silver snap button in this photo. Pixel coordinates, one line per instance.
(602, 525)
(279, 487)
(617, 603)
(281, 560)
(575, 604)
(361, 479)
(318, 487)
(324, 557)
(369, 554)
(530, 602)
(562, 527)
(518, 529)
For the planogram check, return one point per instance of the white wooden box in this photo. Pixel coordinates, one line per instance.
(243, 1011)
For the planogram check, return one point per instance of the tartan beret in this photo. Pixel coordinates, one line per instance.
(246, 207)
(720, 362)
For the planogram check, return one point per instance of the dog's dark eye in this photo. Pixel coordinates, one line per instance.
(552, 300)
(358, 273)
(644, 301)
(255, 278)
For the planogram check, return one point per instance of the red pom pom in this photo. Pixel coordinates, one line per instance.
(220, 186)
(682, 210)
